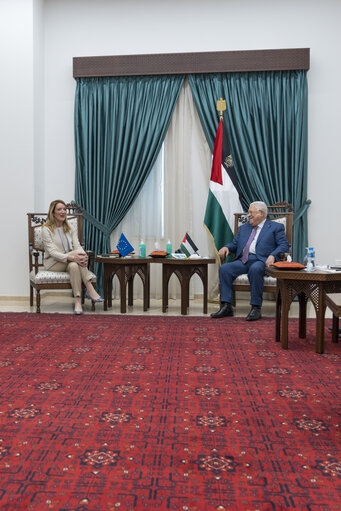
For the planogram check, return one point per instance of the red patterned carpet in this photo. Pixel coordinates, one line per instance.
(142, 413)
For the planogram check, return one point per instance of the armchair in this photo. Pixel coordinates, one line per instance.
(280, 212)
(40, 279)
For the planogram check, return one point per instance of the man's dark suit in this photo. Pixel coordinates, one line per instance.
(271, 241)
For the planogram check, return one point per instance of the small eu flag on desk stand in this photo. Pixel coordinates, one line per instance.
(123, 246)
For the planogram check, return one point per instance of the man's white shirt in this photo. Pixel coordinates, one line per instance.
(254, 241)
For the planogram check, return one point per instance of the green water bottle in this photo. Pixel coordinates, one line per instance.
(142, 250)
(169, 249)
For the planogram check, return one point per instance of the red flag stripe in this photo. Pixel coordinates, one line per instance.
(217, 155)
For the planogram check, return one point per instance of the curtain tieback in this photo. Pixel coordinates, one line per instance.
(301, 211)
(105, 230)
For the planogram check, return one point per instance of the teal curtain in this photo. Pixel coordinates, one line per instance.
(266, 124)
(120, 125)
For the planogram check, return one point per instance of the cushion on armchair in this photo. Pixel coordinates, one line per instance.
(243, 280)
(280, 220)
(54, 277)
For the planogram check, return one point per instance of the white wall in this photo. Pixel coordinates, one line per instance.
(16, 141)
(38, 104)
(69, 28)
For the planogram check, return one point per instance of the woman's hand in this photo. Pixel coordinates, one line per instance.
(80, 258)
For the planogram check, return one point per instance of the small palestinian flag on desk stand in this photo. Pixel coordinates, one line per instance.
(224, 197)
(188, 246)
(123, 246)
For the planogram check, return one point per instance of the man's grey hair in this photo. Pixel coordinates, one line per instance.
(261, 206)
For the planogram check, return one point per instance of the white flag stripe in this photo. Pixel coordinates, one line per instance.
(188, 248)
(227, 196)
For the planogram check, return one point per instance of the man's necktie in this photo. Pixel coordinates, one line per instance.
(246, 250)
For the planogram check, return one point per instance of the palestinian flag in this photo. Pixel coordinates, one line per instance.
(223, 196)
(187, 246)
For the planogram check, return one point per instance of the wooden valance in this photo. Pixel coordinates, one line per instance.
(186, 63)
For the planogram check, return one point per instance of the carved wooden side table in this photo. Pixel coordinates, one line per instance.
(305, 285)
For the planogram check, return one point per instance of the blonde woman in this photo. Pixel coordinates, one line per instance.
(63, 252)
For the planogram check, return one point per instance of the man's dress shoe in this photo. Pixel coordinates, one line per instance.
(225, 311)
(254, 314)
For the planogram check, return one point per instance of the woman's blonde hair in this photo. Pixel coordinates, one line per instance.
(50, 221)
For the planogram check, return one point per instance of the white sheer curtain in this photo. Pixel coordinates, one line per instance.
(178, 195)
(145, 221)
(187, 173)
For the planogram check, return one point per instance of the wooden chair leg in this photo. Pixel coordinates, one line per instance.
(37, 301)
(335, 334)
(31, 296)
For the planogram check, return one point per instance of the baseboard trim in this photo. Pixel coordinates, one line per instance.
(25, 298)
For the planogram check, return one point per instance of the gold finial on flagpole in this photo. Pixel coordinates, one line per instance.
(221, 106)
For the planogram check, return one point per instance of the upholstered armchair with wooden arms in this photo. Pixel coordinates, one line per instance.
(280, 212)
(40, 279)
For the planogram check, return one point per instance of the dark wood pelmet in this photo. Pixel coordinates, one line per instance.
(184, 63)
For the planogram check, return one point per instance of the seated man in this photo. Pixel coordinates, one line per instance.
(256, 245)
